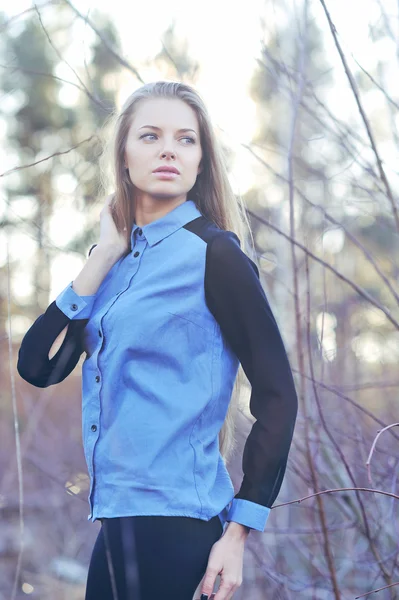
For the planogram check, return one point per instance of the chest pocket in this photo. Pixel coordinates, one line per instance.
(187, 338)
(196, 319)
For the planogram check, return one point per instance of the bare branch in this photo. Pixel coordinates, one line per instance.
(349, 489)
(350, 235)
(95, 99)
(21, 14)
(355, 91)
(338, 274)
(374, 445)
(377, 590)
(48, 157)
(117, 57)
(17, 437)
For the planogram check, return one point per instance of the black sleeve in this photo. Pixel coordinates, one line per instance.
(238, 302)
(34, 364)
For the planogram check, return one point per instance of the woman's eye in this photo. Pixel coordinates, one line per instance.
(191, 140)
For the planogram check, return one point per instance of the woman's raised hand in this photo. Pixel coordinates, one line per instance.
(110, 238)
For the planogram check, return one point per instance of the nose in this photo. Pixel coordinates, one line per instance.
(168, 154)
(168, 148)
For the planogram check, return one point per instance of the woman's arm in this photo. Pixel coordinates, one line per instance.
(52, 346)
(237, 300)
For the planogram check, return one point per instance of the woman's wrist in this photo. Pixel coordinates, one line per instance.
(108, 253)
(237, 530)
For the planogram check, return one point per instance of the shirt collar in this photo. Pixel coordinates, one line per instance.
(169, 223)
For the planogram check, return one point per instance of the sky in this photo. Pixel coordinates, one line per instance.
(225, 37)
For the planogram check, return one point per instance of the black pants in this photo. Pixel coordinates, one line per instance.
(150, 557)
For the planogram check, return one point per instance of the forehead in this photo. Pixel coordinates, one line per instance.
(166, 113)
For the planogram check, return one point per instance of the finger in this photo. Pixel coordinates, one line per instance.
(109, 199)
(226, 590)
(106, 206)
(209, 581)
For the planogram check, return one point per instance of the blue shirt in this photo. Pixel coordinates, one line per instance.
(164, 336)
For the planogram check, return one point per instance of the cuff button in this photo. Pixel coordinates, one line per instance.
(74, 306)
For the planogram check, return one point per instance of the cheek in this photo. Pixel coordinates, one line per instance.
(193, 168)
(138, 150)
(138, 161)
(133, 154)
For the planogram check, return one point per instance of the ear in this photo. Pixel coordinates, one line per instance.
(199, 170)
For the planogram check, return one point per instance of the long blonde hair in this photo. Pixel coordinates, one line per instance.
(212, 194)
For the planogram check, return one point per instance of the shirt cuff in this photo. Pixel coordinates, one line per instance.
(73, 305)
(248, 513)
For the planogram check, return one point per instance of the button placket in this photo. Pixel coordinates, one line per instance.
(94, 426)
(94, 429)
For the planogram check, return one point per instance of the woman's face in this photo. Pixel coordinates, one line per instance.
(164, 132)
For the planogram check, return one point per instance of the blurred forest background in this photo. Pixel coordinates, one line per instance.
(312, 147)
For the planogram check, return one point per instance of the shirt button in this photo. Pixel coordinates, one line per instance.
(136, 254)
(74, 306)
(97, 377)
(94, 427)
(139, 231)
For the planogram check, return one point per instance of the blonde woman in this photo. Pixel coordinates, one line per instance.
(166, 308)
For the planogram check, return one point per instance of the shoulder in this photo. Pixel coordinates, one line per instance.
(225, 255)
(224, 252)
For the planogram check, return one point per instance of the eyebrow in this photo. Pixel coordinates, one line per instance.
(159, 129)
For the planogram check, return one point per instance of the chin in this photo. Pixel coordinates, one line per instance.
(165, 195)
(165, 192)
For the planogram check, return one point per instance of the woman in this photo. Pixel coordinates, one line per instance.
(166, 308)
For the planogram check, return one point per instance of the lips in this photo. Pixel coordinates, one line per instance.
(165, 169)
